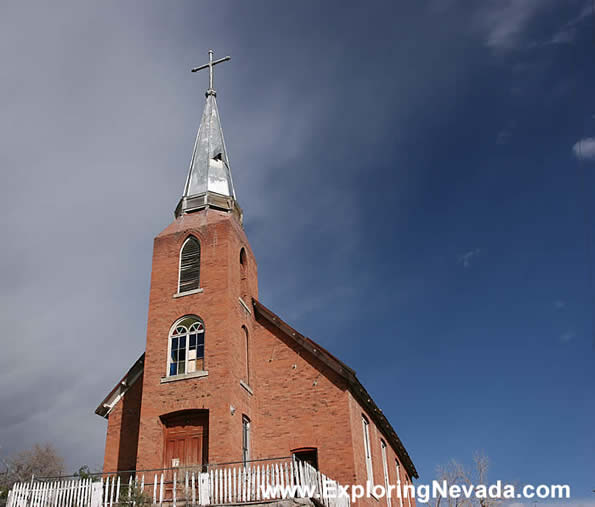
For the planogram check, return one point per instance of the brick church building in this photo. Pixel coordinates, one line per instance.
(223, 378)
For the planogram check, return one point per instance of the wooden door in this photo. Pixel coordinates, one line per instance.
(186, 440)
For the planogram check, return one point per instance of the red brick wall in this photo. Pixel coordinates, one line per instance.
(356, 411)
(221, 239)
(301, 403)
(122, 431)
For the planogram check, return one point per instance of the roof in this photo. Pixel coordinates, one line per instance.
(355, 386)
(116, 394)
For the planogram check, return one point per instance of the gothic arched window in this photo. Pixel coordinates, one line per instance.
(246, 347)
(189, 276)
(186, 346)
(243, 274)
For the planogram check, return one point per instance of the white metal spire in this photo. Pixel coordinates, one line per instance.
(209, 168)
(209, 181)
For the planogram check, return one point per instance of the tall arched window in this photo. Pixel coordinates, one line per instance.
(243, 274)
(367, 448)
(243, 260)
(189, 275)
(246, 347)
(186, 346)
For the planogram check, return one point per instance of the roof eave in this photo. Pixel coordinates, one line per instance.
(120, 389)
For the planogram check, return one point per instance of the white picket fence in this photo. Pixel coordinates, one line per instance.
(59, 493)
(221, 485)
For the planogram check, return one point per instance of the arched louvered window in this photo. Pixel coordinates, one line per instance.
(189, 277)
(186, 346)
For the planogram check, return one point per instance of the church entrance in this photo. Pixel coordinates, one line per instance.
(186, 436)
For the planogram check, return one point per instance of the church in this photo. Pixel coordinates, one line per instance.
(224, 379)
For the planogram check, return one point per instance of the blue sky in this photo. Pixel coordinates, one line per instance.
(410, 188)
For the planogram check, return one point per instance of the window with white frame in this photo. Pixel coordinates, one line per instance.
(245, 439)
(399, 489)
(246, 351)
(367, 449)
(186, 346)
(189, 272)
(385, 470)
(407, 482)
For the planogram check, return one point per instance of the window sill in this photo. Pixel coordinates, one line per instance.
(372, 494)
(247, 387)
(187, 293)
(245, 305)
(184, 376)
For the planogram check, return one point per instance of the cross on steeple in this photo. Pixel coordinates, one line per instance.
(210, 65)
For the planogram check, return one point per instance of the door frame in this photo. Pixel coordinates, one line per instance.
(169, 420)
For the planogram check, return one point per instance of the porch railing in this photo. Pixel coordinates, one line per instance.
(233, 483)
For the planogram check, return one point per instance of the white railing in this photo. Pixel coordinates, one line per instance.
(224, 484)
(59, 493)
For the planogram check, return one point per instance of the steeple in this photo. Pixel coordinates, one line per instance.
(209, 167)
(209, 182)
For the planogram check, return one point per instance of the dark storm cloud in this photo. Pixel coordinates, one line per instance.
(331, 113)
(99, 114)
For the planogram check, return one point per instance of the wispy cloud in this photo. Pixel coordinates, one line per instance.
(566, 337)
(585, 149)
(466, 258)
(559, 304)
(504, 21)
(504, 136)
(567, 33)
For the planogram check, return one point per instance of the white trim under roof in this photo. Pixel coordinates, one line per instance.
(117, 393)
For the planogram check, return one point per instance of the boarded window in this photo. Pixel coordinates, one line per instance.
(189, 265)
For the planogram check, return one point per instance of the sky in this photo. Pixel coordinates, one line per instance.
(417, 180)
